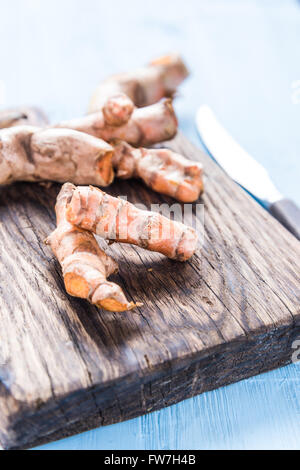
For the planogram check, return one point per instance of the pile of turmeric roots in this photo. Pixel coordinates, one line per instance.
(128, 113)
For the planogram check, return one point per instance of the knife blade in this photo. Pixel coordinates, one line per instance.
(245, 170)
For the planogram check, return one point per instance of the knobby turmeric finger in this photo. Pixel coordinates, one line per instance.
(162, 170)
(117, 220)
(117, 110)
(84, 265)
(139, 127)
(32, 154)
(144, 86)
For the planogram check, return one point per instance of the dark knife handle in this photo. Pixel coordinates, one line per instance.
(288, 214)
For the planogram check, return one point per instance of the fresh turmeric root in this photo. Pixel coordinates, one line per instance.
(162, 170)
(117, 220)
(31, 154)
(22, 117)
(119, 119)
(84, 265)
(117, 110)
(145, 86)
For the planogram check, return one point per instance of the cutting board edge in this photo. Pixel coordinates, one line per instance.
(202, 375)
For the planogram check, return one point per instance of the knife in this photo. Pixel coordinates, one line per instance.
(246, 171)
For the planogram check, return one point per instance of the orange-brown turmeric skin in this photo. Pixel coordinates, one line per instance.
(117, 220)
(84, 265)
(144, 127)
(33, 154)
(162, 170)
(117, 110)
(144, 86)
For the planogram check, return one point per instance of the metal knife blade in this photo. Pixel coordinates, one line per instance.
(246, 171)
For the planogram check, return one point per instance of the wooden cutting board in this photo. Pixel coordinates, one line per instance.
(231, 312)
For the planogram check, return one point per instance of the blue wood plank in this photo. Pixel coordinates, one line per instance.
(258, 413)
(245, 63)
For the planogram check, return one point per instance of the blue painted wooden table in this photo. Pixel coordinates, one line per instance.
(245, 63)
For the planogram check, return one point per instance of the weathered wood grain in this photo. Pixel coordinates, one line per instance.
(230, 313)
